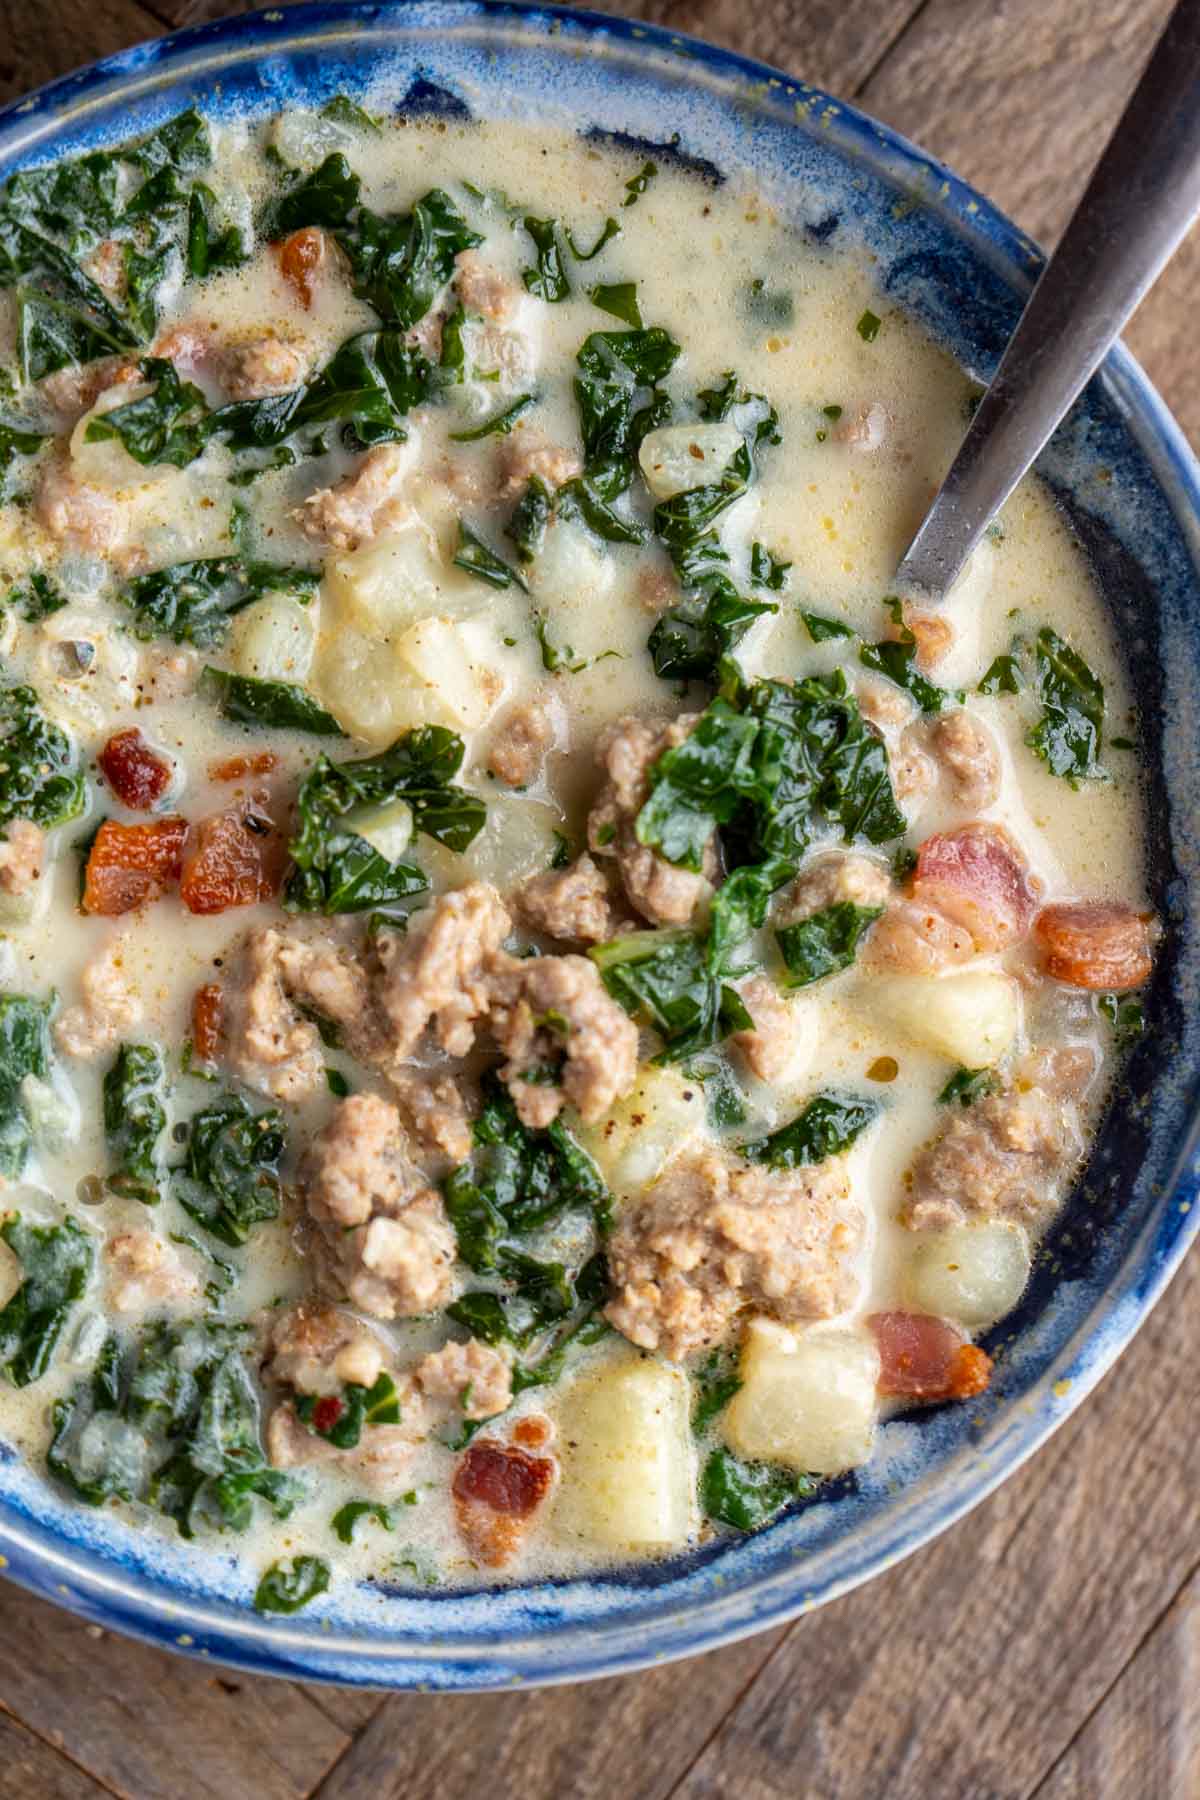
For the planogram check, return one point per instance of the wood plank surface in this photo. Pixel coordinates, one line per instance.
(1049, 1645)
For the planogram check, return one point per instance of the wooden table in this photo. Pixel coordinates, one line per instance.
(1050, 1644)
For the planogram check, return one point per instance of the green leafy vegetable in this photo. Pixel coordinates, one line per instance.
(868, 327)
(548, 278)
(527, 526)
(192, 602)
(829, 1124)
(348, 112)
(1002, 676)
(210, 246)
(676, 982)
(499, 425)
(278, 705)
(369, 385)
(24, 1052)
(717, 1381)
(55, 334)
(476, 559)
(340, 1420)
(40, 776)
(609, 231)
(286, 1587)
(56, 1261)
(825, 942)
(896, 658)
(16, 439)
(968, 1085)
(230, 1179)
(1125, 1014)
(767, 570)
(134, 1120)
(747, 1495)
(347, 1517)
(38, 599)
(820, 628)
(168, 425)
(337, 871)
(1070, 734)
(636, 186)
(618, 298)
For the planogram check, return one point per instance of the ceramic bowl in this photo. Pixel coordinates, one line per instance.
(1130, 486)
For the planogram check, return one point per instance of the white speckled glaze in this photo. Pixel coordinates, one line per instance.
(1132, 490)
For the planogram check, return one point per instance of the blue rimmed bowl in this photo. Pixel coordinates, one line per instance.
(1131, 488)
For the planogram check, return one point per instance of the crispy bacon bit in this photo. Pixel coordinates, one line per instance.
(925, 1358)
(533, 1432)
(300, 258)
(129, 865)
(327, 1412)
(208, 1019)
(234, 858)
(1094, 944)
(137, 775)
(978, 878)
(237, 768)
(497, 1489)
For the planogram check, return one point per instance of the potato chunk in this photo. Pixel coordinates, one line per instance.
(807, 1400)
(663, 1115)
(972, 1273)
(971, 1018)
(678, 457)
(274, 639)
(628, 1479)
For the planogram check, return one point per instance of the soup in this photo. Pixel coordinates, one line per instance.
(541, 1001)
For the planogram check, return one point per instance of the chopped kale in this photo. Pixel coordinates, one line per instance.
(829, 1124)
(609, 231)
(347, 1517)
(134, 1120)
(692, 638)
(211, 246)
(55, 334)
(56, 1262)
(820, 628)
(592, 497)
(673, 980)
(1002, 676)
(348, 112)
(825, 942)
(335, 870)
(531, 515)
(192, 602)
(636, 186)
(896, 658)
(1069, 736)
(289, 1585)
(966, 1086)
(620, 299)
(40, 775)
(868, 326)
(370, 384)
(327, 197)
(278, 705)
(748, 1495)
(499, 425)
(230, 1182)
(717, 1381)
(168, 425)
(618, 389)
(1125, 1014)
(767, 570)
(548, 277)
(340, 1419)
(476, 559)
(16, 439)
(24, 1052)
(38, 599)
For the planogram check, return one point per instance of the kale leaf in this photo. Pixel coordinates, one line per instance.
(829, 1124)
(230, 1182)
(717, 1381)
(337, 871)
(1070, 734)
(192, 602)
(968, 1085)
(56, 1262)
(371, 382)
(286, 1587)
(167, 425)
(548, 277)
(134, 1120)
(766, 569)
(38, 599)
(1002, 676)
(1126, 1015)
(620, 299)
(210, 246)
(673, 981)
(820, 628)
(40, 775)
(824, 942)
(499, 425)
(747, 1495)
(531, 515)
(347, 1517)
(24, 1051)
(277, 705)
(474, 557)
(340, 1419)
(896, 658)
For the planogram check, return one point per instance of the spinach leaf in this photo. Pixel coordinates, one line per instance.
(230, 1179)
(548, 278)
(820, 628)
(40, 776)
(340, 1420)
(968, 1085)
(747, 1495)
(346, 1517)
(527, 526)
(1070, 734)
(285, 1587)
(896, 657)
(717, 1381)
(192, 602)
(24, 1051)
(476, 559)
(134, 1120)
(168, 425)
(767, 570)
(828, 1125)
(56, 1262)
(618, 298)
(499, 425)
(825, 942)
(278, 705)
(336, 871)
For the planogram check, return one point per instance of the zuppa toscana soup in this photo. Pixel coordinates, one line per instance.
(540, 1001)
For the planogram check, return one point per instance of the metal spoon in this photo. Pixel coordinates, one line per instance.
(1142, 198)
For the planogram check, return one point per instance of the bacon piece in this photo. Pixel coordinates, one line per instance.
(497, 1490)
(137, 775)
(978, 878)
(208, 1021)
(234, 858)
(300, 258)
(926, 1358)
(129, 865)
(1094, 944)
(236, 768)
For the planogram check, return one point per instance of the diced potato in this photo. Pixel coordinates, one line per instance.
(663, 1115)
(806, 1401)
(678, 457)
(105, 462)
(274, 640)
(396, 578)
(970, 1018)
(517, 840)
(972, 1273)
(387, 829)
(87, 668)
(571, 582)
(357, 677)
(628, 1479)
(460, 663)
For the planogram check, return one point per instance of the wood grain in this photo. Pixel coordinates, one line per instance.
(30, 1770)
(40, 39)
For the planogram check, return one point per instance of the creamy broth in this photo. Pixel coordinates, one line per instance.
(392, 635)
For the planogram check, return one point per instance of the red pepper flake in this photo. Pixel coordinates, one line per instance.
(327, 1412)
(137, 775)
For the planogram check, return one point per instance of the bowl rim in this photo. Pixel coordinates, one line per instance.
(88, 1584)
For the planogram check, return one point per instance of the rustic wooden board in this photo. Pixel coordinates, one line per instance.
(1050, 1644)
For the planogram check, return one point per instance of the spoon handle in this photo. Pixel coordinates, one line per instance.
(1139, 203)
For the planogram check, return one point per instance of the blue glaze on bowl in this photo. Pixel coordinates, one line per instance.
(1131, 487)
